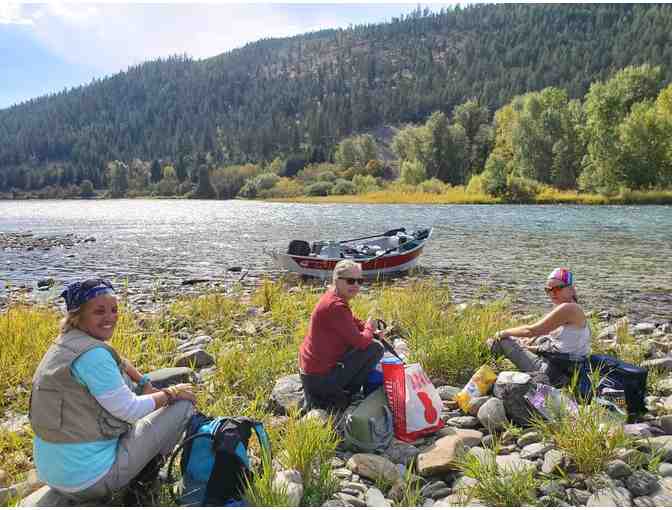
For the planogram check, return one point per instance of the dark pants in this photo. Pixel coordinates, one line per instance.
(350, 374)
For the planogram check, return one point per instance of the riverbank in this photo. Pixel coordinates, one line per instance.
(241, 342)
(458, 195)
(400, 194)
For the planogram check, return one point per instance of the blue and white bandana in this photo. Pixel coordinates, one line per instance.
(78, 293)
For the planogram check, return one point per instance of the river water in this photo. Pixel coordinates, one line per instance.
(621, 255)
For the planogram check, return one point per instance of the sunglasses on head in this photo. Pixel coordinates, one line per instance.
(548, 290)
(352, 281)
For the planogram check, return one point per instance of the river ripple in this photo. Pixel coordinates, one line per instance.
(620, 254)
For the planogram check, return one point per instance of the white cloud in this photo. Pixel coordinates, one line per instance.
(110, 36)
(10, 14)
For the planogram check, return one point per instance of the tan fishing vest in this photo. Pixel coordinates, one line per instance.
(61, 409)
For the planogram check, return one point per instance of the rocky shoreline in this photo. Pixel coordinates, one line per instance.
(633, 478)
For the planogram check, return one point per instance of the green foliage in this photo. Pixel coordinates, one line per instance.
(432, 186)
(497, 487)
(204, 187)
(319, 189)
(86, 188)
(343, 187)
(355, 150)
(260, 490)
(413, 172)
(306, 445)
(365, 183)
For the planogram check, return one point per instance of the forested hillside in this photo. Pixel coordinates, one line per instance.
(298, 97)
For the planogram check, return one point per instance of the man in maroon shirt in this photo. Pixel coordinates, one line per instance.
(339, 350)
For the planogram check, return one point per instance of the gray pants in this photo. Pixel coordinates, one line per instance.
(541, 369)
(156, 433)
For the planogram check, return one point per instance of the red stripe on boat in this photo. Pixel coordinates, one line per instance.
(379, 263)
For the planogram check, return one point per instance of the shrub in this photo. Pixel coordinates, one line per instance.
(365, 183)
(343, 187)
(476, 185)
(432, 185)
(413, 172)
(520, 189)
(319, 189)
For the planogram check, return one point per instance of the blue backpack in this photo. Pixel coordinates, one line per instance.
(214, 461)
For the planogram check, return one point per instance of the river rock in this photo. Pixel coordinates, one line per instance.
(512, 463)
(665, 469)
(578, 497)
(535, 450)
(400, 452)
(375, 498)
(665, 423)
(475, 404)
(432, 487)
(448, 392)
(529, 438)
(553, 459)
(164, 377)
(441, 456)
(373, 467)
(287, 392)
(644, 328)
(197, 358)
(610, 497)
(658, 364)
(350, 500)
(46, 497)
(492, 414)
(660, 444)
(552, 488)
(333, 503)
(292, 482)
(469, 437)
(642, 483)
(463, 422)
(511, 387)
(617, 469)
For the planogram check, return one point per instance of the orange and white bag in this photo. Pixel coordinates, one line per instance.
(414, 401)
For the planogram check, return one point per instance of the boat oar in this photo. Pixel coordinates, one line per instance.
(386, 234)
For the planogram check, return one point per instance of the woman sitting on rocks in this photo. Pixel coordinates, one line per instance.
(93, 434)
(339, 350)
(561, 340)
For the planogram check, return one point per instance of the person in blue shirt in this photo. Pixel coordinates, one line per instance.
(93, 433)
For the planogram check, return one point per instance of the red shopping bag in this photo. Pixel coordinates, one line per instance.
(413, 399)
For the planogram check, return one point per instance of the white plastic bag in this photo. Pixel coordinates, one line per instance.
(414, 401)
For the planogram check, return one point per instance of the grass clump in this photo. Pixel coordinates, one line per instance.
(412, 487)
(499, 487)
(590, 437)
(260, 491)
(308, 446)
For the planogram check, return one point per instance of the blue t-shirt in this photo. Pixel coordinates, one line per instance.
(76, 466)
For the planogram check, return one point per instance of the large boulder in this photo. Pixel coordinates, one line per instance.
(287, 393)
(511, 387)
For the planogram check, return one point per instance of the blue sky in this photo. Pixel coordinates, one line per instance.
(47, 47)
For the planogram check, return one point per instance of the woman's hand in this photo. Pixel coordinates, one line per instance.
(183, 391)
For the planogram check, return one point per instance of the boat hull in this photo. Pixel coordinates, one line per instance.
(372, 268)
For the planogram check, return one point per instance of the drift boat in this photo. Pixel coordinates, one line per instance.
(391, 252)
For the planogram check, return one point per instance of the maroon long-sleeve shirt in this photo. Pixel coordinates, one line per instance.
(333, 330)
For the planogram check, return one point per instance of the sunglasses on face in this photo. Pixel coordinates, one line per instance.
(557, 288)
(352, 281)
